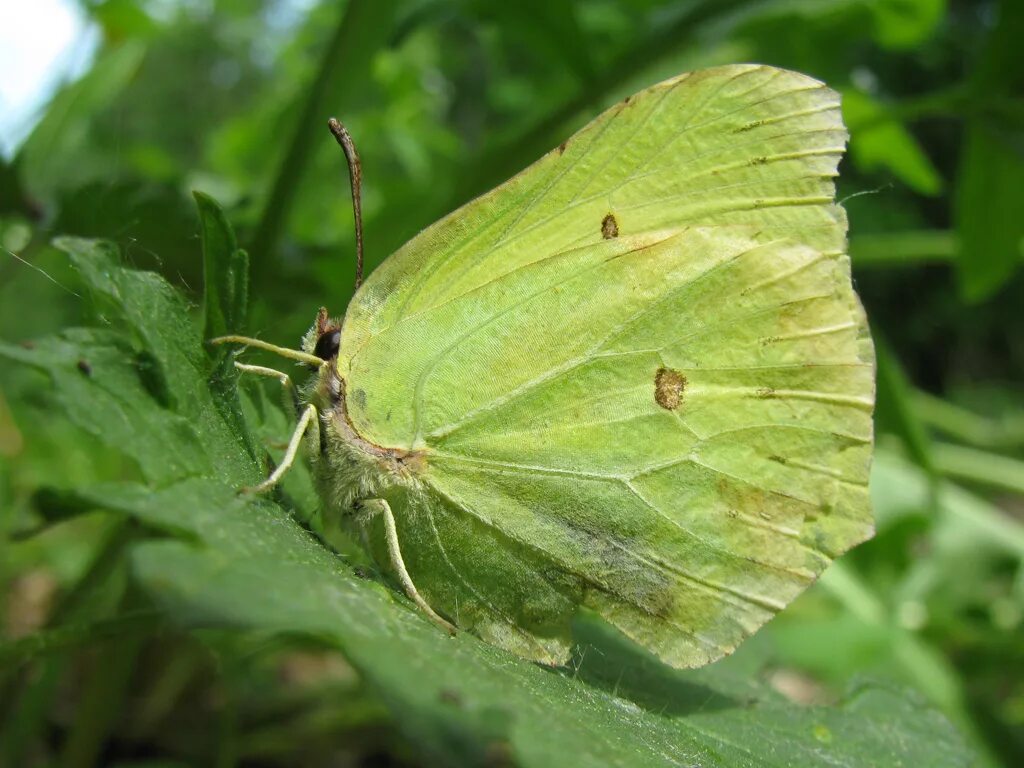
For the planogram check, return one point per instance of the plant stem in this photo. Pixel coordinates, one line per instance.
(977, 466)
(897, 249)
(965, 426)
(362, 28)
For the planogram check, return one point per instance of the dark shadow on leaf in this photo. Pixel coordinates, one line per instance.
(57, 505)
(608, 660)
(152, 378)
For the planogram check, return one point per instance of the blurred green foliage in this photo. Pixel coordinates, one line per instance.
(446, 100)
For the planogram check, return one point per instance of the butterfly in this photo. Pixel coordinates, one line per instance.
(634, 378)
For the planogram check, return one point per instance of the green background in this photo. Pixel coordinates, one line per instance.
(446, 100)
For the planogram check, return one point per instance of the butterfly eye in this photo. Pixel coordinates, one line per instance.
(328, 344)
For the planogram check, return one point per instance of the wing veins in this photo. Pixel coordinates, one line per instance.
(623, 480)
(761, 602)
(809, 333)
(654, 108)
(451, 566)
(817, 469)
(741, 204)
(575, 203)
(503, 240)
(674, 291)
(548, 375)
(712, 170)
(592, 352)
(586, 577)
(501, 465)
(729, 322)
(537, 197)
(689, 126)
(431, 365)
(856, 439)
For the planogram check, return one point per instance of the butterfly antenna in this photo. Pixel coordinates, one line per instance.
(355, 177)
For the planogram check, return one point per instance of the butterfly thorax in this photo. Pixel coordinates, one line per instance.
(348, 467)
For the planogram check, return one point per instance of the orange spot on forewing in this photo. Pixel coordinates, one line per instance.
(669, 386)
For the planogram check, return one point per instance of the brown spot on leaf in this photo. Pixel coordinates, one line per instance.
(498, 754)
(562, 146)
(669, 386)
(450, 696)
(609, 227)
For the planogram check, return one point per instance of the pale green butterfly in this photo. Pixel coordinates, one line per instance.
(633, 378)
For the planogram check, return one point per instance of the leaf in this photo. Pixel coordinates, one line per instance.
(902, 24)
(898, 249)
(225, 303)
(882, 141)
(155, 347)
(991, 175)
(895, 411)
(225, 271)
(54, 157)
(988, 199)
(244, 562)
(363, 26)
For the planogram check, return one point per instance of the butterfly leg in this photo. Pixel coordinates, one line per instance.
(398, 564)
(289, 394)
(309, 420)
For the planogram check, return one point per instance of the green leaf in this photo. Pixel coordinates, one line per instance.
(899, 249)
(362, 28)
(54, 157)
(991, 176)
(902, 24)
(225, 303)
(894, 409)
(988, 200)
(155, 350)
(238, 561)
(880, 140)
(225, 271)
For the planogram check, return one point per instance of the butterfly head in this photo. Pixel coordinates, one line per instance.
(323, 339)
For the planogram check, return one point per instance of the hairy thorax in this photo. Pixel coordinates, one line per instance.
(347, 467)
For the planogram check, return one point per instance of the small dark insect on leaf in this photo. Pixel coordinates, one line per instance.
(84, 367)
